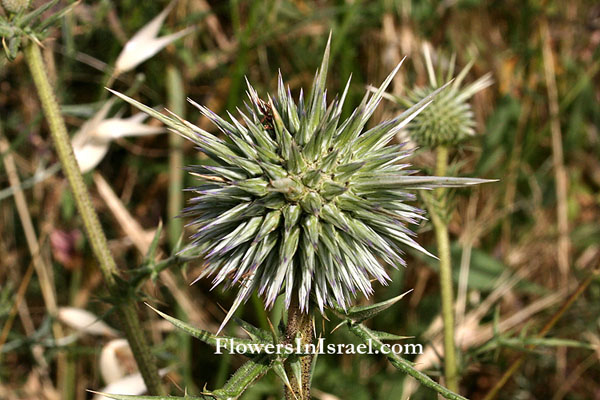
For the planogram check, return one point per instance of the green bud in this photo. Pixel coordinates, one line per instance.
(310, 227)
(269, 224)
(449, 119)
(291, 188)
(11, 47)
(331, 189)
(311, 203)
(256, 186)
(291, 214)
(312, 178)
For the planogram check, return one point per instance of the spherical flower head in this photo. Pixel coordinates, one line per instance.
(15, 6)
(449, 119)
(300, 202)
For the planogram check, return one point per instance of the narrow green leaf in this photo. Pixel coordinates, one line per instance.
(280, 372)
(56, 16)
(362, 313)
(389, 336)
(415, 182)
(331, 189)
(243, 378)
(256, 334)
(205, 336)
(151, 253)
(273, 170)
(311, 225)
(30, 17)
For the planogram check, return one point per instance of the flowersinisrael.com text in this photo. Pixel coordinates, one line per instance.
(231, 347)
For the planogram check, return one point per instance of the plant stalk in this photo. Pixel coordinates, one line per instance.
(176, 96)
(58, 131)
(443, 242)
(299, 326)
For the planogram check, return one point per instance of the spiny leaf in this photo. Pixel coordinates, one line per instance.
(389, 336)
(170, 122)
(205, 336)
(31, 16)
(362, 313)
(243, 377)
(51, 20)
(151, 253)
(256, 334)
(280, 372)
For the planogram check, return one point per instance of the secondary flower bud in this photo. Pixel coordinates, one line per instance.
(15, 6)
(449, 119)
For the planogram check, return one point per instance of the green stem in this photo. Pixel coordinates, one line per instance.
(299, 324)
(443, 243)
(175, 202)
(128, 314)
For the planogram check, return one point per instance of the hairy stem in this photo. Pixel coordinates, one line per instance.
(299, 325)
(443, 243)
(127, 310)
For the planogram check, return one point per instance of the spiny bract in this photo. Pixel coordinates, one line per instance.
(449, 119)
(296, 200)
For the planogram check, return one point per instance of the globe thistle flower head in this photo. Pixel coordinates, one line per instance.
(15, 6)
(300, 202)
(449, 119)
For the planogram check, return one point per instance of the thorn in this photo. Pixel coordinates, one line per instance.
(272, 330)
(222, 308)
(337, 326)
(246, 331)
(176, 385)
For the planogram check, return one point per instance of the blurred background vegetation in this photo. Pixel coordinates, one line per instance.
(518, 261)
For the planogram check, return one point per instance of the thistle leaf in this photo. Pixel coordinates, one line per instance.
(28, 18)
(151, 253)
(243, 378)
(389, 336)
(280, 372)
(205, 336)
(362, 313)
(256, 334)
